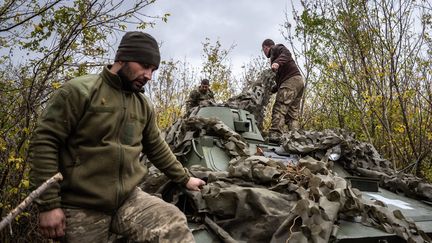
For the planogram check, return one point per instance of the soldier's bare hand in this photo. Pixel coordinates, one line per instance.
(52, 223)
(275, 66)
(194, 184)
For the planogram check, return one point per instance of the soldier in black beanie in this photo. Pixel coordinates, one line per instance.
(93, 132)
(136, 47)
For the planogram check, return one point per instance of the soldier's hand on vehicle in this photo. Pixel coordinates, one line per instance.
(52, 223)
(275, 66)
(194, 184)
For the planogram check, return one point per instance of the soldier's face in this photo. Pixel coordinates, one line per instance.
(203, 88)
(266, 50)
(137, 74)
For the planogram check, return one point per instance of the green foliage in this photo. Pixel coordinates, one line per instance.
(427, 171)
(170, 90)
(216, 68)
(365, 63)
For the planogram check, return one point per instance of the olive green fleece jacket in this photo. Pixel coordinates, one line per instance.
(93, 132)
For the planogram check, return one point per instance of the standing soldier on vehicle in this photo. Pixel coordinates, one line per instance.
(199, 95)
(289, 87)
(93, 131)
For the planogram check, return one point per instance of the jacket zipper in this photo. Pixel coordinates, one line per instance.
(120, 188)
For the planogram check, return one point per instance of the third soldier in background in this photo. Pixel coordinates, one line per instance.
(289, 87)
(199, 96)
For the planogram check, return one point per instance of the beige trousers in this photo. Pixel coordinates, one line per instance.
(287, 104)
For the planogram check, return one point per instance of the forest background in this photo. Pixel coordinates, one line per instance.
(367, 66)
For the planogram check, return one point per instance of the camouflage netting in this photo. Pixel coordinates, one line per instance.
(181, 135)
(255, 96)
(357, 157)
(263, 200)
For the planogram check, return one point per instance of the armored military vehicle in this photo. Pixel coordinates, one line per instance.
(294, 192)
(313, 187)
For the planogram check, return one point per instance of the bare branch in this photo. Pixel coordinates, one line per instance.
(31, 17)
(29, 199)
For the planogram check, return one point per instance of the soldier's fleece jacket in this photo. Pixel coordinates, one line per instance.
(93, 132)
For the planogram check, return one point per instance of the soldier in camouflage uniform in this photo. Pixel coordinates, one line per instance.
(200, 95)
(289, 87)
(93, 131)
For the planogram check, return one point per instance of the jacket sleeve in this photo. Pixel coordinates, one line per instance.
(192, 100)
(159, 153)
(283, 55)
(51, 133)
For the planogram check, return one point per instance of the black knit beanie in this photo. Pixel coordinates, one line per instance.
(136, 46)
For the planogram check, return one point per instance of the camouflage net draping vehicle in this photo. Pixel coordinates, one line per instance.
(315, 187)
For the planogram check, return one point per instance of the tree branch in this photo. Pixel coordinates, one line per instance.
(29, 199)
(29, 18)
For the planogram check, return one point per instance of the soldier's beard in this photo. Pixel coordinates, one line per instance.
(203, 90)
(130, 83)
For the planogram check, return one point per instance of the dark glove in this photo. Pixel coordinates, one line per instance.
(274, 89)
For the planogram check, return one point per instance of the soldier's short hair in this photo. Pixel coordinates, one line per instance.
(205, 82)
(268, 42)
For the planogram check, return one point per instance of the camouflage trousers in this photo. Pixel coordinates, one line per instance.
(287, 104)
(141, 218)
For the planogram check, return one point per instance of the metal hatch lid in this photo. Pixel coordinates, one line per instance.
(412, 209)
